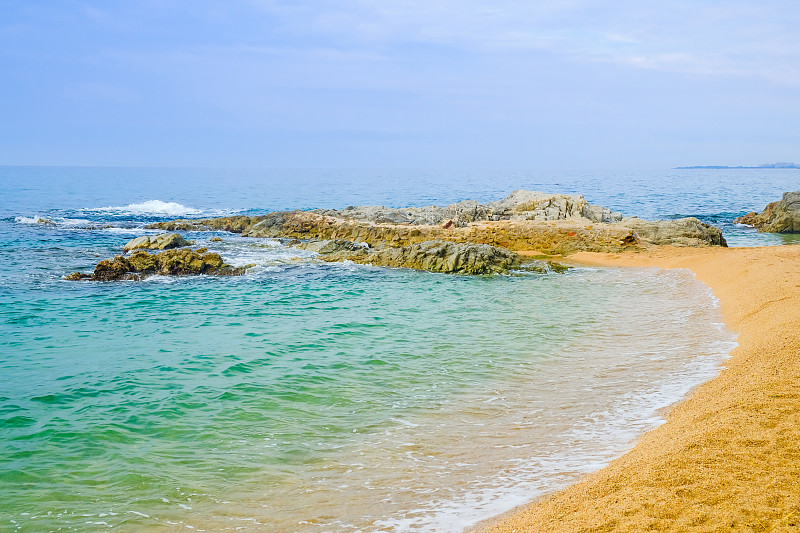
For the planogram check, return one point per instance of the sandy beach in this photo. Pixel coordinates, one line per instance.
(728, 457)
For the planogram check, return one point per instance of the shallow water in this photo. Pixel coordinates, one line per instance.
(318, 397)
(308, 396)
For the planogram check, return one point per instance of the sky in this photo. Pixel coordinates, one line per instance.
(568, 84)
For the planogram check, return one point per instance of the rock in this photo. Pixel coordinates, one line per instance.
(235, 224)
(782, 216)
(550, 223)
(138, 242)
(434, 256)
(533, 205)
(680, 232)
(519, 205)
(379, 214)
(447, 257)
(330, 246)
(141, 264)
(215, 239)
(553, 238)
(77, 276)
(462, 213)
(163, 241)
(630, 238)
(752, 218)
(546, 267)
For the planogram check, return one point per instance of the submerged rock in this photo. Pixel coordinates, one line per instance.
(163, 241)
(782, 216)
(140, 264)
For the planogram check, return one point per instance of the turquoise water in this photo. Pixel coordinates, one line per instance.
(308, 396)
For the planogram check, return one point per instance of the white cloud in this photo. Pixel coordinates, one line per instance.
(708, 38)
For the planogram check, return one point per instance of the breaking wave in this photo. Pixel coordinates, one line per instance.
(30, 220)
(151, 207)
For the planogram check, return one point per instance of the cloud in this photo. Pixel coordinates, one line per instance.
(699, 37)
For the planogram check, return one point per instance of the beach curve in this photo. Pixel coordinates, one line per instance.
(728, 457)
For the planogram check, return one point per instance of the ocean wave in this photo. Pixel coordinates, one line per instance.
(36, 219)
(53, 221)
(267, 253)
(150, 207)
(132, 231)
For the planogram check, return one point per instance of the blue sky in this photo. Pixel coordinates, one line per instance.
(409, 83)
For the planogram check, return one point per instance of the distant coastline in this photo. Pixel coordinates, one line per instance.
(767, 165)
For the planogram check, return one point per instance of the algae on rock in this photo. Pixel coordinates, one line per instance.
(183, 262)
(433, 256)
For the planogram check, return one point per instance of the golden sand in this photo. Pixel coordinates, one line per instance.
(728, 457)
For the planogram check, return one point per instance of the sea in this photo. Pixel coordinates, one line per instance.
(308, 396)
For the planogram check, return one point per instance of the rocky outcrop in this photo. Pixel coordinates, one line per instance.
(556, 237)
(679, 232)
(163, 241)
(332, 246)
(782, 216)
(559, 237)
(235, 224)
(532, 205)
(434, 256)
(140, 264)
(460, 214)
(524, 220)
(519, 205)
(447, 257)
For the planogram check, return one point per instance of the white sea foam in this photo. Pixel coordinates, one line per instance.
(72, 222)
(263, 253)
(36, 219)
(53, 221)
(151, 207)
(133, 231)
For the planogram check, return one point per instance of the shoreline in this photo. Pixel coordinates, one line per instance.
(728, 455)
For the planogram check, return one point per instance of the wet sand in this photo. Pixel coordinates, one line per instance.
(728, 457)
